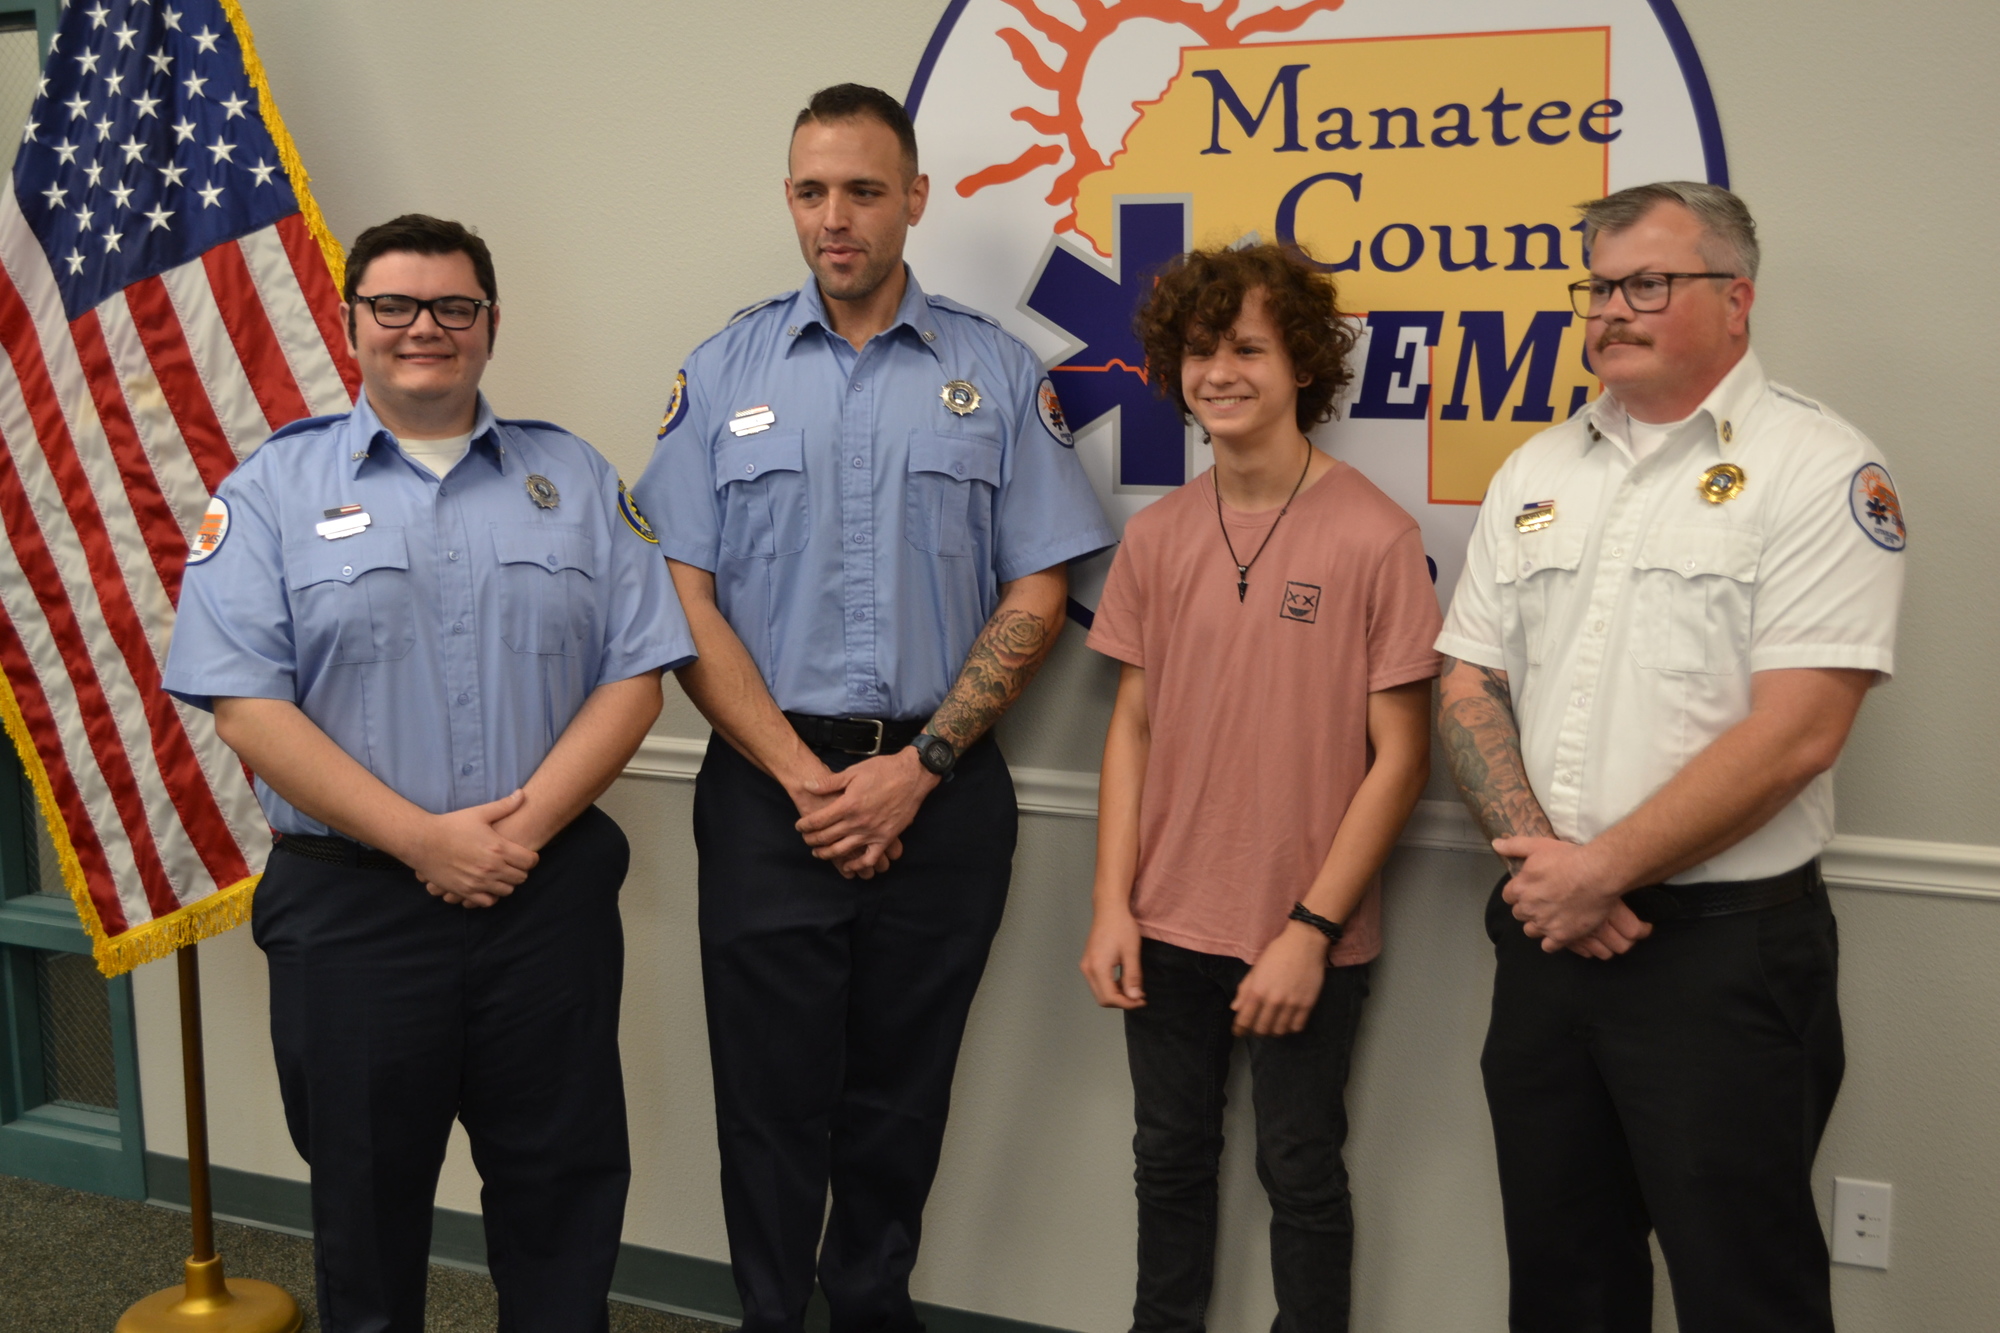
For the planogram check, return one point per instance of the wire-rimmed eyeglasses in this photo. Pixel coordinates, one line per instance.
(395, 311)
(1644, 292)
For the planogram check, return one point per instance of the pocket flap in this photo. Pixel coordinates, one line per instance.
(752, 456)
(1693, 550)
(553, 546)
(964, 458)
(345, 559)
(1525, 554)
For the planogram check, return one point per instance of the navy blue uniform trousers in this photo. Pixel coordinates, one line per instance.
(1680, 1088)
(835, 1008)
(392, 1012)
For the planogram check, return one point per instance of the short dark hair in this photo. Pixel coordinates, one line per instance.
(1197, 296)
(420, 234)
(855, 101)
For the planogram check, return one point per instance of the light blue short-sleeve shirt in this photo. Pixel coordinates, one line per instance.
(857, 526)
(446, 642)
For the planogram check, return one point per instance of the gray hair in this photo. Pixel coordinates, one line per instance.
(1730, 239)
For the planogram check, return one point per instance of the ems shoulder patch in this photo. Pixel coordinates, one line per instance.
(214, 529)
(1871, 497)
(677, 406)
(1050, 409)
(628, 508)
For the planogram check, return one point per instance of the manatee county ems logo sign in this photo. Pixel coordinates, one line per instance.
(1428, 153)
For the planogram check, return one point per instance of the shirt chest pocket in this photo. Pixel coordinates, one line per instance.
(762, 482)
(948, 502)
(544, 573)
(1536, 572)
(351, 597)
(1693, 605)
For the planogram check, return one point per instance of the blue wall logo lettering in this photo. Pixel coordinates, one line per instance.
(1428, 153)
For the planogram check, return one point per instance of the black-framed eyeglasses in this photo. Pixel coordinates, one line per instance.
(394, 311)
(1644, 292)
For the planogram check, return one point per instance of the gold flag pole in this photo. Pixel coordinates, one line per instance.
(207, 1302)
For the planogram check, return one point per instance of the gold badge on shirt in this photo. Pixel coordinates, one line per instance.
(1722, 483)
(1535, 515)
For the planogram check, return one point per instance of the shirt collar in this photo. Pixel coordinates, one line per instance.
(913, 313)
(1727, 405)
(368, 434)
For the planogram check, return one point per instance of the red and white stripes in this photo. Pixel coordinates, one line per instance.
(114, 430)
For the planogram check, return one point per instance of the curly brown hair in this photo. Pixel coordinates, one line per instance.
(1197, 296)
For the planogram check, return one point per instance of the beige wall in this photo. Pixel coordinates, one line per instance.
(623, 158)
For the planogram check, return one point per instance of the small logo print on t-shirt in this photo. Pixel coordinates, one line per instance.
(1301, 602)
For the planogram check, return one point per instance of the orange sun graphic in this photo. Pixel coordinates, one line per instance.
(1078, 45)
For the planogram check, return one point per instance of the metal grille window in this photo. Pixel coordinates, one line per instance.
(77, 1064)
(20, 71)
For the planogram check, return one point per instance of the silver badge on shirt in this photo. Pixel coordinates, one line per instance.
(344, 521)
(959, 397)
(751, 420)
(542, 491)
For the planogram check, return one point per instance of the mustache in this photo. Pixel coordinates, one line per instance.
(1621, 335)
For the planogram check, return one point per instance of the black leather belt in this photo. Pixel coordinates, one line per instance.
(856, 735)
(336, 851)
(1685, 902)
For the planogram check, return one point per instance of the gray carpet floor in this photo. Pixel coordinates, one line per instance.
(72, 1263)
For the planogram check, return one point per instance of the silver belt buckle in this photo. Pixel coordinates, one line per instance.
(876, 749)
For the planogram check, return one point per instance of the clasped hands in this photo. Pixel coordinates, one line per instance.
(1565, 899)
(855, 818)
(473, 857)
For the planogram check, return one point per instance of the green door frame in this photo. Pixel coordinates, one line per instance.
(100, 1151)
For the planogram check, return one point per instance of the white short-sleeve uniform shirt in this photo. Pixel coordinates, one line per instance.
(1630, 619)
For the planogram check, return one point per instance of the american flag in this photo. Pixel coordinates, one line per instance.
(169, 297)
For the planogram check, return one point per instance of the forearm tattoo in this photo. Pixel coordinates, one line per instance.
(1482, 743)
(1004, 658)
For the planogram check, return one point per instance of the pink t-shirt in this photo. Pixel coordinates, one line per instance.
(1259, 709)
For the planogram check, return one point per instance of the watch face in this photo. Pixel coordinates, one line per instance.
(936, 754)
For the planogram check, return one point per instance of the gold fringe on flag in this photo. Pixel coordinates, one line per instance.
(224, 909)
(288, 152)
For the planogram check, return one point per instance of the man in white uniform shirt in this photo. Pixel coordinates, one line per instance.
(1672, 607)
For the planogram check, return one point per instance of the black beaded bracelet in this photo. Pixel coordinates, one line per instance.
(1333, 930)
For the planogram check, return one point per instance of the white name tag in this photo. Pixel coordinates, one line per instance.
(344, 526)
(751, 420)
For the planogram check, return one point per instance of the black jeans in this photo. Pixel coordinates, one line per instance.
(1680, 1088)
(1178, 1046)
(392, 1012)
(835, 1008)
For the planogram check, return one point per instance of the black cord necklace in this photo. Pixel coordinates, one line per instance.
(1242, 566)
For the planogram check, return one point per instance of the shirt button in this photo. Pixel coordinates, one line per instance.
(465, 769)
(857, 460)
(1618, 552)
(458, 627)
(1690, 564)
(1582, 699)
(861, 615)
(451, 555)
(1598, 627)
(749, 468)
(857, 388)
(465, 698)
(1527, 565)
(347, 571)
(552, 562)
(958, 469)
(860, 539)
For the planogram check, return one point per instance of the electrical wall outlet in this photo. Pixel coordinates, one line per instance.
(1860, 1223)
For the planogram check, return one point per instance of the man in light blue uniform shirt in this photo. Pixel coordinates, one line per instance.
(868, 500)
(436, 637)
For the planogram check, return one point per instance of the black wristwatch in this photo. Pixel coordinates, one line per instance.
(935, 753)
